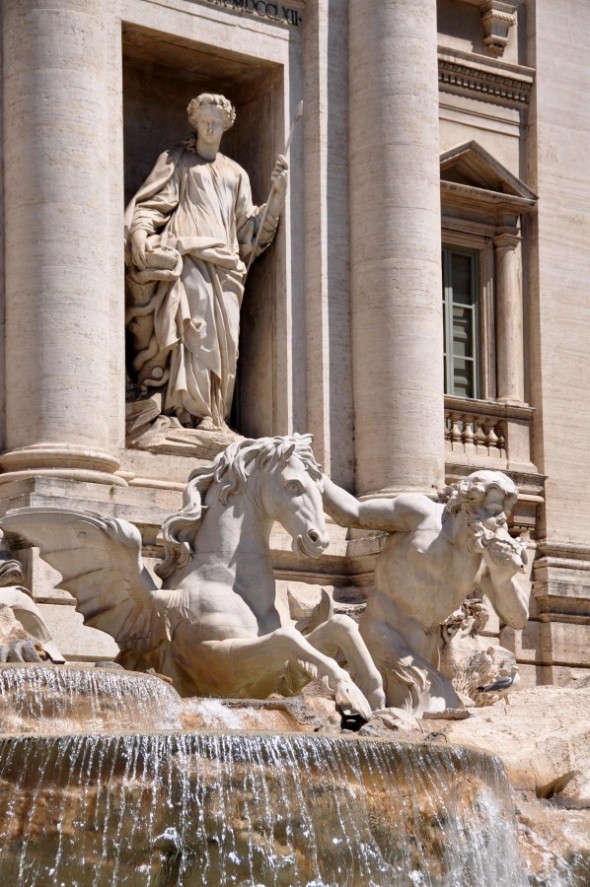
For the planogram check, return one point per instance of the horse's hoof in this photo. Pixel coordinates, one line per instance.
(376, 699)
(351, 703)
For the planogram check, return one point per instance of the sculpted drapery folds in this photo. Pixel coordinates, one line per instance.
(191, 229)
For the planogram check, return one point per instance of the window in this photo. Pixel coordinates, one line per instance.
(461, 313)
(482, 203)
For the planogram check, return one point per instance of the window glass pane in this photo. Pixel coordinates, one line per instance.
(462, 331)
(463, 378)
(461, 279)
(460, 317)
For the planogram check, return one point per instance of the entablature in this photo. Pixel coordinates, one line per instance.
(474, 75)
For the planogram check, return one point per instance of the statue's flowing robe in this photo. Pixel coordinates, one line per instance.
(204, 211)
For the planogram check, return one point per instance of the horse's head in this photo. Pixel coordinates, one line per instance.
(293, 497)
(291, 491)
(283, 473)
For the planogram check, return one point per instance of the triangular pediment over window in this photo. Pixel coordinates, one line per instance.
(470, 164)
(474, 185)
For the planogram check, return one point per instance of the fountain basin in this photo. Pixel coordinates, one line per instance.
(192, 809)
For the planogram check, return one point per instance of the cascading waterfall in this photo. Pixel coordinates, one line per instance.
(41, 699)
(187, 809)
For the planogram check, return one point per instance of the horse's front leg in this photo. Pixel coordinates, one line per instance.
(255, 656)
(340, 635)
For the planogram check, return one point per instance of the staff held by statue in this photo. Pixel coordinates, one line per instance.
(296, 119)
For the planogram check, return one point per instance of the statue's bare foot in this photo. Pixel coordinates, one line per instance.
(350, 701)
(207, 424)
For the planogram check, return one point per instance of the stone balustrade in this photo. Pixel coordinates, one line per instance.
(478, 430)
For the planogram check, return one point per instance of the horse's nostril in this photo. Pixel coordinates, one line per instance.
(313, 535)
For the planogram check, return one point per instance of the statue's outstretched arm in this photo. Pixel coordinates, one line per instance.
(400, 515)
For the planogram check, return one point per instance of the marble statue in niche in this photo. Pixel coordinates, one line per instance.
(437, 554)
(192, 232)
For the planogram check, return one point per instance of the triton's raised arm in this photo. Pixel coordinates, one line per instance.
(400, 515)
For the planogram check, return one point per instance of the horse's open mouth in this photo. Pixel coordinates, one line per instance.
(307, 548)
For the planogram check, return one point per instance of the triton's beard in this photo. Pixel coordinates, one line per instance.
(498, 544)
(479, 537)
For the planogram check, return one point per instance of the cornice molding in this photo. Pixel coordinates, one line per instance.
(467, 73)
(468, 195)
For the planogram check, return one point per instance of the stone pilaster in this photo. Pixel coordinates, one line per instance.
(509, 320)
(397, 336)
(60, 373)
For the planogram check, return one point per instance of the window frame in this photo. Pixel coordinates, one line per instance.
(482, 247)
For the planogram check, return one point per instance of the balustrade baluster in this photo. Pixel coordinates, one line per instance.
(480, 436)
(502, 439)
(468, 433)
(492, 437)
(455, 429)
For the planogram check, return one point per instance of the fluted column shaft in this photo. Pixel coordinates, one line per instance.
(395, 246)
(59, 328)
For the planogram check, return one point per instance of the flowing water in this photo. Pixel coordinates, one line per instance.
(56, 700)
(170, 808)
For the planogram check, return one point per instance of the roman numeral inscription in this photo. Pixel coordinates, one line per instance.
(286, 15)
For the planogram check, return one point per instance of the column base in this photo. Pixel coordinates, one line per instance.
(393, 492)
(60, 460)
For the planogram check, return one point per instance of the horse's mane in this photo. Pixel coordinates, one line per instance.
(230, 470)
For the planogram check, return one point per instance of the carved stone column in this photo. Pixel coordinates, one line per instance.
(397, 330)
(509, 320)
(60, 373)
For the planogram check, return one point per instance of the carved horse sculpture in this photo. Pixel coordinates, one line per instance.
(213, 627)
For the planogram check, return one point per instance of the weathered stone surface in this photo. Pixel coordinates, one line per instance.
(542, 736)
(78, 642)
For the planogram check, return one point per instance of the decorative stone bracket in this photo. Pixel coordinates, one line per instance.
(497, 18)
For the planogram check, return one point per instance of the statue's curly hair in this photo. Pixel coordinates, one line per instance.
(475, 486)
(210, 98)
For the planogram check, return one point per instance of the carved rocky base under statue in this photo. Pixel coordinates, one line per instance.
(147, 428)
